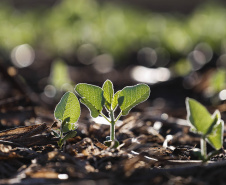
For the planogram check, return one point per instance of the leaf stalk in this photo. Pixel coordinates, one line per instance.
(105, 117)
(120, 114)
(203, 147)
(112, 130)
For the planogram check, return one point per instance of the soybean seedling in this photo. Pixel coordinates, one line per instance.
(67, 112)
(210, 127)
(95, 98)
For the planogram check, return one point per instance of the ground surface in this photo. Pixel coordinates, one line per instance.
(29, 153)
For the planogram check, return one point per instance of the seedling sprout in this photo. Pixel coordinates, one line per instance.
(210, 127)
(67, 112)
(95, 98)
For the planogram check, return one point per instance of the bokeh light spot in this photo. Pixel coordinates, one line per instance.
(197, 59)
(86, 53)
(222, 95)
(12, 71)
(163, 57)
(63, 176)
(151, 76)
(147, 57)
(103, 63)
(206, 50)
(22, 56)
(50, 91)
(221, 62)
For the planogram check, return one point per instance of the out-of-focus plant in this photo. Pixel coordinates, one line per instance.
(216, 86)
(59, 76)
(112, 29)
(218, 80)
(210, 127)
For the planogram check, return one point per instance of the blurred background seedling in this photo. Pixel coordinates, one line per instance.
(210, 127)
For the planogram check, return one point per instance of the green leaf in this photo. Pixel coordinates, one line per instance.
(198, 116)
(69, 135)
(108, 93)
(131, 96)
(68, 126)
(92, 97)
(115, 101)
(93, 111)
(215, 138)
(68, 110)
(215, 117)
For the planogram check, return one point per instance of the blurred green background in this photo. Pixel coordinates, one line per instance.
(63, 28)
(56, 44)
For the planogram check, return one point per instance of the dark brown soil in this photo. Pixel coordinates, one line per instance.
(29, 153)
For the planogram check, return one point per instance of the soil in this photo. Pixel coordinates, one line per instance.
(155, 142)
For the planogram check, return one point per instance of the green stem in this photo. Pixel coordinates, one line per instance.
(105, 117)
(112, 130)
(120, 114)
(61, 129)
(203, 147)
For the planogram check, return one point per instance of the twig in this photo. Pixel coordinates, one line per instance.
(146, 157)
(10, 143)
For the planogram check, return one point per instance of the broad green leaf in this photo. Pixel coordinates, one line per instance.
(92, 97)
(215, 119)
(68, 110)
(108, 93)
(131, 96)
(93, 111)
(198, 116)
(215, 138)
(115, 101)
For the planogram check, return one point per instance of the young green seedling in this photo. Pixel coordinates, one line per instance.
(67, 112)
(210, 127)
(95, 98)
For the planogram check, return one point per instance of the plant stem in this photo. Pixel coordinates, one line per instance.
(203, 147)
(120, 114)
(104, 117)
(61, 129)
(112, 130)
